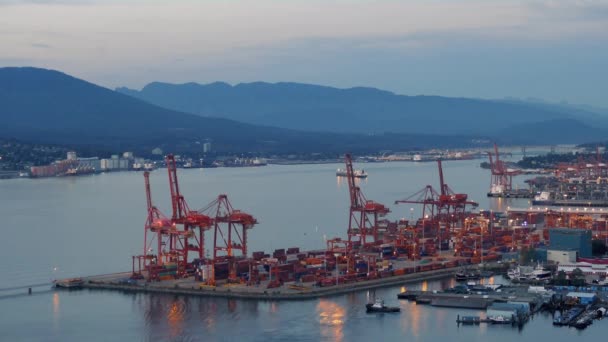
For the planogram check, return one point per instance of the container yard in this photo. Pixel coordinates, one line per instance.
(375, 252)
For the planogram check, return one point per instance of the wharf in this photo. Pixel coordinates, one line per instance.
(294, 291)
(572, 203)
(471, 300)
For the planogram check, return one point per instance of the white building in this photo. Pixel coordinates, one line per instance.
(207, 147)
(587, 268)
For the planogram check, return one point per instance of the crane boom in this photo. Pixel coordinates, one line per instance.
(441, 182)
(352, 187)
(180, 209)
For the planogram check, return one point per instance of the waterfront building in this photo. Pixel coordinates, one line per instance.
(586, 267)
(90, 163)
(567, 239)
(583, 297)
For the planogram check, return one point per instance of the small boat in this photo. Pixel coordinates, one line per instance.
(378, 306)
(540, 273)
(460, 276)
(468, 319)
(513, 273)
(71, 283)
(500, 320)
(357, 173)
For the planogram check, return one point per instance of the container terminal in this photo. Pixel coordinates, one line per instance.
(376, 252)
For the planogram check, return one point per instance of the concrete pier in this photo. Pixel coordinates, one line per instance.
(188, 286)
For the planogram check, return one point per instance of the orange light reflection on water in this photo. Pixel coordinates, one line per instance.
(331, 319)
(56, 311)
(412, 320)
(175, 318)
(55, 304)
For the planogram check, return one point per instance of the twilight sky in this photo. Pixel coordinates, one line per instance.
(550, 49)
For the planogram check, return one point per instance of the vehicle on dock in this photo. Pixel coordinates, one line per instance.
(72, 283)
(378, 306)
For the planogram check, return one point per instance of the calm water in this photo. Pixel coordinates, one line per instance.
(63, 227)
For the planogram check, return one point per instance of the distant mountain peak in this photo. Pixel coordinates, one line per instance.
(361, 110)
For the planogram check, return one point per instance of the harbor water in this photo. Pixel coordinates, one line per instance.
(62, 227)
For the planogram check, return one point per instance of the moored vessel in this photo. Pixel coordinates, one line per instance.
(378, 306)
(357, 173)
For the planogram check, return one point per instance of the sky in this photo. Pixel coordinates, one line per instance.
(556, 50)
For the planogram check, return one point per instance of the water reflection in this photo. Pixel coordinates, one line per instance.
(342, 181)
(175, 317)
(411, 322)
(55, 304)
(331, 319)
(56, 315)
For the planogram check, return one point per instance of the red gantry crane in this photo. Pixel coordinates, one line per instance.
(230, 234)
(439, 209)
(161, 234)
(502, 178)
(191, 223)
(364, 217)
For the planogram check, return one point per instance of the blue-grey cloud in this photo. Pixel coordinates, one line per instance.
(40, 45)
(548, 49)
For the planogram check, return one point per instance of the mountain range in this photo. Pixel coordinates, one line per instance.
(371, 111)
(47, 106)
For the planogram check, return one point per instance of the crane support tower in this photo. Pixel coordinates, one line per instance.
(364, 220)
(190, 223)
(501, 180)
(160, 254)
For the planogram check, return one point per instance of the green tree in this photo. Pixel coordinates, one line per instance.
(561, 278)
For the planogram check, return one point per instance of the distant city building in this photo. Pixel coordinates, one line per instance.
(90, 163)
(207, 147)
(127, 155)
(71, 155)
(567, 239)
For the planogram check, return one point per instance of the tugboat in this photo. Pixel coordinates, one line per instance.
(378, 306)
